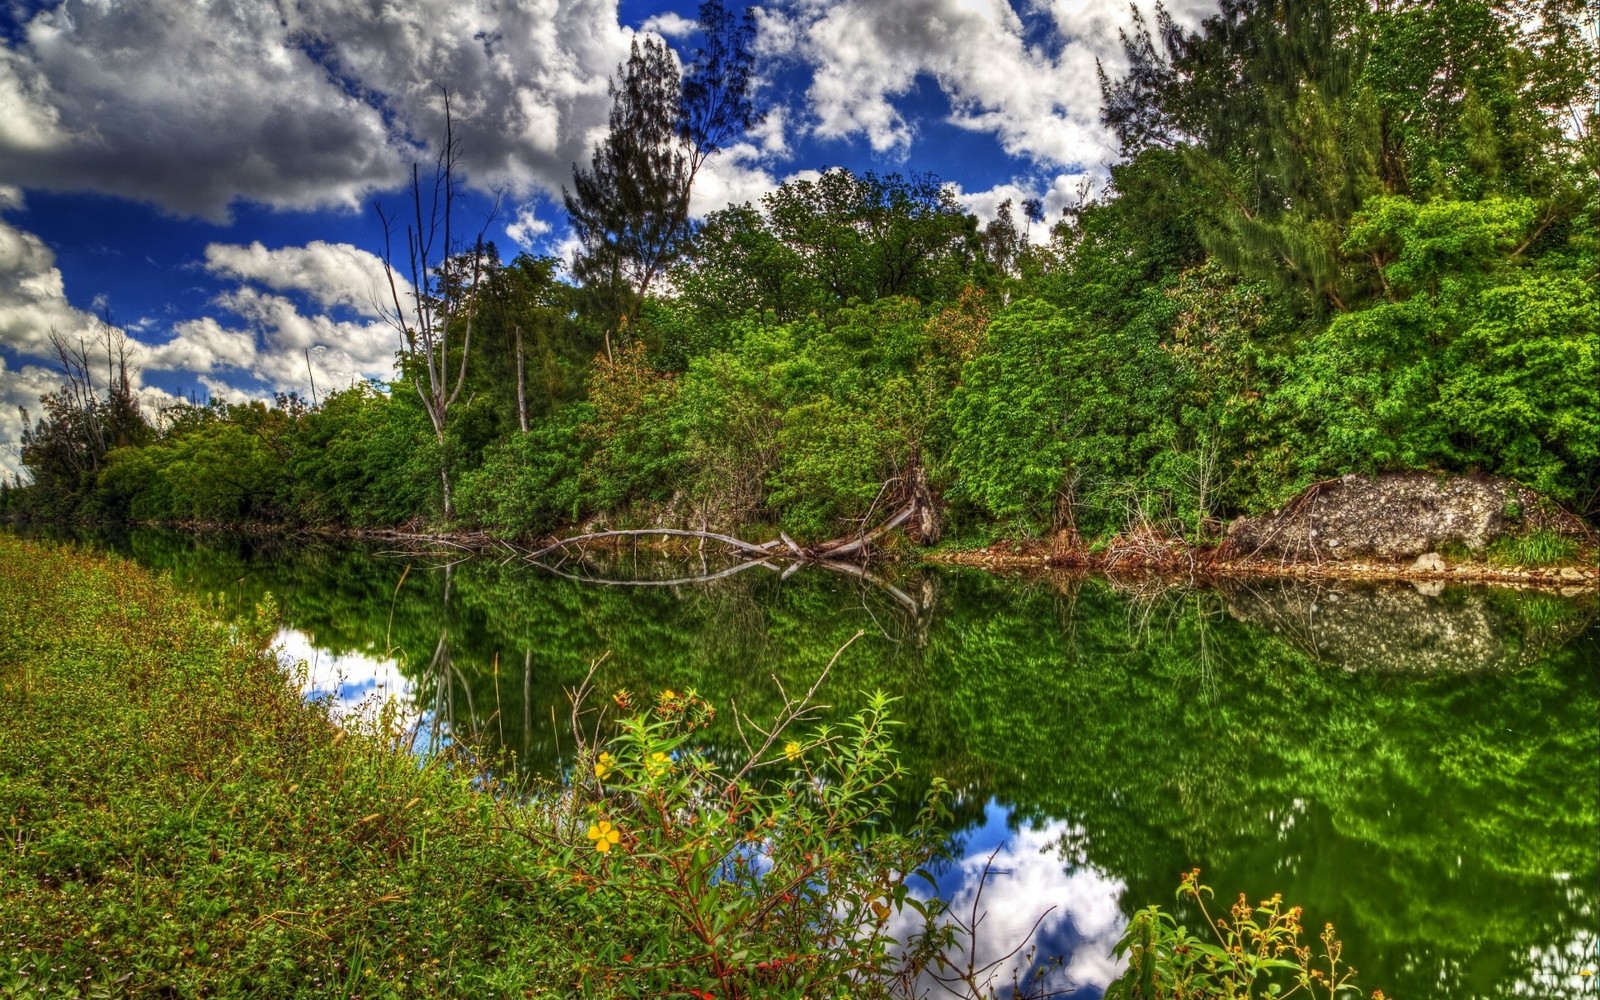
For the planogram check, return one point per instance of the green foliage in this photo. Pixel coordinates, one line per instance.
(217, 834)
(1474, 362)
(531, 483)
(1341, 239)
(818, 245)
(1014, 438)
(365, 458)
(1542, 547)
(1349, 767)
(769, 877)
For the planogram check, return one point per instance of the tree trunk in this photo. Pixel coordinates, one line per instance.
(522, 397)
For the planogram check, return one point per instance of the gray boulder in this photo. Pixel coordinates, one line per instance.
(1395, 517)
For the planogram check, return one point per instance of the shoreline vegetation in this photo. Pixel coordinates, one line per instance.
(1168, 558)
(183, 822)
(1338, 242)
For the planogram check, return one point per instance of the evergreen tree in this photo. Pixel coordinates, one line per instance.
(630, 209)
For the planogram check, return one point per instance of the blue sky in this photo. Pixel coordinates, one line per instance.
(205, 171)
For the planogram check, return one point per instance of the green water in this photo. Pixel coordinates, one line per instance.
(1423, 770)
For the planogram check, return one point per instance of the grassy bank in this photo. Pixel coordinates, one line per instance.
(179, 822)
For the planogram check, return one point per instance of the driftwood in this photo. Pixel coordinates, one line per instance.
(856, 546)
(847, 554)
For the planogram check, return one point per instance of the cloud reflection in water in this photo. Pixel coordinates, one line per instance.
(1074, 905)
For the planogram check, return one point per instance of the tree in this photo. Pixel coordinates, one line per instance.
(816, 244)
(439, 296)
(83, 421)
(630, 209)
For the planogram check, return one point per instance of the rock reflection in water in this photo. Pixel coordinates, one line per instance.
(1406, 628)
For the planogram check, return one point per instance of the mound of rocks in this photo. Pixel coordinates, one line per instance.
(1396, 517)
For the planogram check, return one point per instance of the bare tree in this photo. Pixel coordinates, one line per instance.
(440, 300)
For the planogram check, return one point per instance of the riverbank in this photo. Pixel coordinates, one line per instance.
(1179, 559)
(1153, 556)
(180, 822)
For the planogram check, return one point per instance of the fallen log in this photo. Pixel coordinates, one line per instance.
(848, 545)
(738, 543)
(782, 547)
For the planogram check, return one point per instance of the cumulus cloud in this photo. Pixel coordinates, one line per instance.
(332, 274)
(304, 105)
(1070, 911)
(526, 229)
(670, 25)
(1063, 191)
(269, 340)
(20, 388)
(33, 298)
(1041, 102)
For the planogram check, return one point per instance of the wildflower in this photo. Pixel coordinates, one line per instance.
(604, 835)
(603, 766)
(658, 762)
(791, 750)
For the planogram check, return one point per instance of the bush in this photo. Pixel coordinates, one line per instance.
(531, 483)
(769, 876)
(1257, 951)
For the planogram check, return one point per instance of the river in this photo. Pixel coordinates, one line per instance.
(1421, 767)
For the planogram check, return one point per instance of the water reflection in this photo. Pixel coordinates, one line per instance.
(352, 683)
(1045, 920)
(1423, 628)
(1423, 771)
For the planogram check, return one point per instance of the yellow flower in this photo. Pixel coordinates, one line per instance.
(668, 695)
(604, 765)
(658, 762)
(791, 750)
(604, 835)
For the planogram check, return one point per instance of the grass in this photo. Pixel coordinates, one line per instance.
(178, 822)
(1536, 548)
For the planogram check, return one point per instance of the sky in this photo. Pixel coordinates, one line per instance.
(204, 172)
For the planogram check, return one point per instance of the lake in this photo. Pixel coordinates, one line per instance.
(1420, 766)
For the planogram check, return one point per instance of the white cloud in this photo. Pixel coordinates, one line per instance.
(1065, 190)
(357, 685)
(20, 388)
(276, 344)
(262, 335)
(670, 25)
(313, 104)
(1039, 103)
(333, 274)
(33, 298)
(527, 228)
(1028, 888)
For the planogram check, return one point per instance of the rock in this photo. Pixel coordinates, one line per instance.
(1428, 588)
(1429, 562)
(1570, 573)
(1396, 517)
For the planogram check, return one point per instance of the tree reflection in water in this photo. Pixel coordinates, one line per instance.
(1421, 769)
